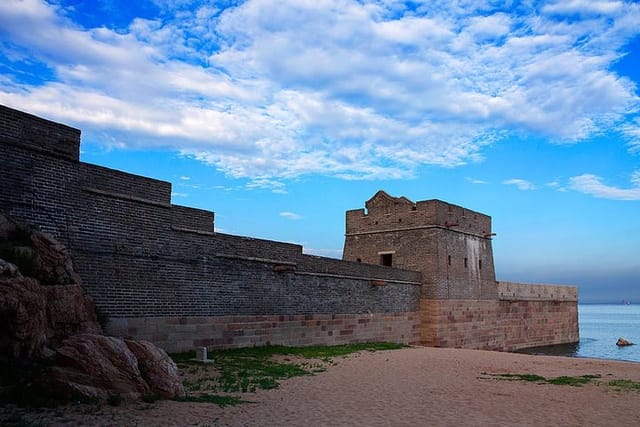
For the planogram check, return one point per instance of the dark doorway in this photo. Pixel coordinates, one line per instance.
(386, 259)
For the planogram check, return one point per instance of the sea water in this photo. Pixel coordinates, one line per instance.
(600, 327)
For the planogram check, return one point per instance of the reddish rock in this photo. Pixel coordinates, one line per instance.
(6, 227)
(95, 367)
(70, 311)
(54, 263)
(22, 310)
(56, 313)
(157, 368)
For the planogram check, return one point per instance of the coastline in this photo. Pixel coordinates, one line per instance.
(425, 385)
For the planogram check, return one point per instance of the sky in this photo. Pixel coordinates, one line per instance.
(281, 115)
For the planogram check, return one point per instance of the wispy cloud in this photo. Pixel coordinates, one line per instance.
(593, 185)
(521, 184)
(271, 90)
(476, 181)
(291, 215)
(556, 185)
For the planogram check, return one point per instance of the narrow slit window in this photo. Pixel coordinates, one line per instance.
(480, 264)
(466, 263)
(449, 259)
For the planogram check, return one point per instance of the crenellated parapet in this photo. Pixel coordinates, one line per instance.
(387, 213)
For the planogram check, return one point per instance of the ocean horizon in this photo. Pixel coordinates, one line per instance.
(600, 327)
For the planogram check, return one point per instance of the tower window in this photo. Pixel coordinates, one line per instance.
(480, 264)
(449, 259)
(465, 263)
(386, 260)
(359, 260)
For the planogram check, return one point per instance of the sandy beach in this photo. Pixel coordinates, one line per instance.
(413, 386)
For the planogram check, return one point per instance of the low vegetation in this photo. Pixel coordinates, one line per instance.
(625, 385)
(620, 385)
(562, 380)
(249, 369)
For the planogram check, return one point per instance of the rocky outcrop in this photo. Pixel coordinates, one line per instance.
(94, 367)
(70, 311)
(623, 342)
(23, 313)
(157, 368)
(53, 261)
(48, 320)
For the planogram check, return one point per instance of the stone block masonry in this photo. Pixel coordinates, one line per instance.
(412, 272)
(217, 332)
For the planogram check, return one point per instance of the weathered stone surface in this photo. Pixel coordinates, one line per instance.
(23, 315)
(6, 227)
(157, 368)
(83, 363)
(69, 311)
(94, 367)
(54, 263)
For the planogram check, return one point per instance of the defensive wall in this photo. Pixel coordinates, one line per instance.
(160, 272)
(461, 303)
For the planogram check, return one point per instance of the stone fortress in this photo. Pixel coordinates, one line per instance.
(413, 273)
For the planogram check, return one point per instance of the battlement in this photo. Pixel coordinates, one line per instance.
(26, 130)
(387, 213)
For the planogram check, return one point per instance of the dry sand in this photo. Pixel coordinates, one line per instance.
(414, 386)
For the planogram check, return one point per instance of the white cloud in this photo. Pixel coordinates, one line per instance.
(475, 181)
(632, 132)
(358, 90)
(593, 185)
(185, 178)
(584, 7)
(521, 184)
(290, 215)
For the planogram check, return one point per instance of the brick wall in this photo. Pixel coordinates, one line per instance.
(511, 291)
(182, 333)
(143, 259)
(498, 324)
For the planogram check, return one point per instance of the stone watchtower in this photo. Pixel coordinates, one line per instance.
(448, 244)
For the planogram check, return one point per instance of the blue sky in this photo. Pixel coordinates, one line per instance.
(281, 115)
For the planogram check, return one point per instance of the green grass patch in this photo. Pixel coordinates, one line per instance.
(562, 380)
(572, 381)
(248, 369)
(625, 385)
(524, 377)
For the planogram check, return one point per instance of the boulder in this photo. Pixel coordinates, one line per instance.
(69, 311)
(23, 312)
(7, 227)
(623, 342)
(53, 261)
(48, 321)
(93, 367)
(157, 368)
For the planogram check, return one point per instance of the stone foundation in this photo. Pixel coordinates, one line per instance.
(176, 334)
